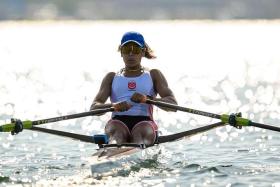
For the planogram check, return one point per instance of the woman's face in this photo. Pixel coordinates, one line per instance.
(132, 54)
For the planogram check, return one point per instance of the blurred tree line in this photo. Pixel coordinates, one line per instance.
(138, 9)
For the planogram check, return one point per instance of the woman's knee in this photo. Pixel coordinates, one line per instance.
(117, 131)
(144, 132)
(115, 125)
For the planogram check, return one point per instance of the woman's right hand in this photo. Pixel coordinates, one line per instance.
(121, 106)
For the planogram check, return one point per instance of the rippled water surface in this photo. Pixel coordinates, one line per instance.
(50, 69)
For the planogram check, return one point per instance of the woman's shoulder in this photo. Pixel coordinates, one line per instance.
(155, 75)
(155, 72)
(110, 76)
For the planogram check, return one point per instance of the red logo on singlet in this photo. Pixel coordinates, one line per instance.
(131, 85)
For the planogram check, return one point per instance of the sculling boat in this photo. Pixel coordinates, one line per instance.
(109, 157)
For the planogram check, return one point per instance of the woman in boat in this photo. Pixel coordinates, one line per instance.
(128, 89)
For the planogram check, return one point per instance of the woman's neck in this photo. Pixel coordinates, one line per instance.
(131, 72)
(133, 69)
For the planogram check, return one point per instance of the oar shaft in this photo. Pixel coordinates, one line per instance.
(177, 136)
(184, 109)
(72, 116)
(233, 119)
(263, 126)
(29, 124)
(83, 138)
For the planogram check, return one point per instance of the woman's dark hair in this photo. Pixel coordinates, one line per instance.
(149, 54)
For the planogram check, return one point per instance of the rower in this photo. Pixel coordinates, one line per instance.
(132, 121)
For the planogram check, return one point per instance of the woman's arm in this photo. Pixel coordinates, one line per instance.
(162, 88)
(103, 93)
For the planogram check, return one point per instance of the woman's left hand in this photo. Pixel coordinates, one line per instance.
(138, 98)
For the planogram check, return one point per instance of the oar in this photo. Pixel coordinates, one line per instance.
(177, 136)
(83, 138)
(232, 119)
(160, 140)
(10, 127)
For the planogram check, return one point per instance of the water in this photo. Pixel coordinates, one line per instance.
(55, 68)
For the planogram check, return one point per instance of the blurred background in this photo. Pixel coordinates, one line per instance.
(138, 9)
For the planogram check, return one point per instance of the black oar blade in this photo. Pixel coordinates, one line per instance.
(177, 136)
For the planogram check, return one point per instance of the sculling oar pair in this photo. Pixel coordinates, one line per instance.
(233, 119)
(17, 126)
(160, 139)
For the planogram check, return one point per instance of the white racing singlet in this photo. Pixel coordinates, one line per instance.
(124, 87)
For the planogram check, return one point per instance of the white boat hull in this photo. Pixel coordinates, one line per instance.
(110, 161)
